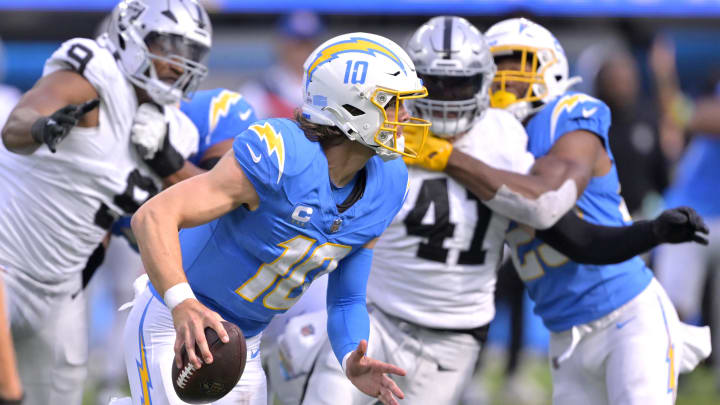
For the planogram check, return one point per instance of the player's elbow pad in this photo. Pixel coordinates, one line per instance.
(539, 213)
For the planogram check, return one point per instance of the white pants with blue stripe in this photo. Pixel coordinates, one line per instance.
(631, 356)
(149, 338)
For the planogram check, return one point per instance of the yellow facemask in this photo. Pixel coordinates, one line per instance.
(528, 73)
(418, 126)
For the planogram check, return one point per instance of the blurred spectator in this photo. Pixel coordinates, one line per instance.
(278, 91)
(683, 269)
(634, 140)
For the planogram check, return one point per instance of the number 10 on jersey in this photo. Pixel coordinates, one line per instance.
(296, 249)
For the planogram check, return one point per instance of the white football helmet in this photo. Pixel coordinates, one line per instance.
(349, 81)
(456, 66)
(544, 66)
(177, 32)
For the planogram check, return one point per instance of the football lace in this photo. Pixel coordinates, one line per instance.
(185, 375)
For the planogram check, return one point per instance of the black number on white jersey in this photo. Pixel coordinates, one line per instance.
(435, 192)
(81, 54)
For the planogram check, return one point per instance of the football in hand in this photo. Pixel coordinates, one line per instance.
(212, 381)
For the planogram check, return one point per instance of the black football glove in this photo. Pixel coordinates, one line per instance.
(680, 225)
(53, 129)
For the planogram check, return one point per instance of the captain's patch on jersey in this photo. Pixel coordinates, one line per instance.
(274, 142)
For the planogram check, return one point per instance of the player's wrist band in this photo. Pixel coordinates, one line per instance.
(177, 294)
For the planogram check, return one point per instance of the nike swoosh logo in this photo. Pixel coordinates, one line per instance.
(255, 158)
(623, 323)
(588, 113)
(245, 114)
(254, 354)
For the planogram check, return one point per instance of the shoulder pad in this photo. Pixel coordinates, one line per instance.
(582, 108)
(85, 56)
(273, 149)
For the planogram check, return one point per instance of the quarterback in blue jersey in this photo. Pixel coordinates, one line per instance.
(293, 200)
(615, 336)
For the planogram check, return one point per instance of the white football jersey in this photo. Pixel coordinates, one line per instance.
(436, 263)
(55, 208)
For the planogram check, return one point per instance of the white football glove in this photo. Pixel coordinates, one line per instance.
(148, 130)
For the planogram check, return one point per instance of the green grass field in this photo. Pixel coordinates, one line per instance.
(696, 388)
(534, 385)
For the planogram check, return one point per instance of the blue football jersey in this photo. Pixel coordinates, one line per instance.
(568, 293)
(218, 114)
(251, 265)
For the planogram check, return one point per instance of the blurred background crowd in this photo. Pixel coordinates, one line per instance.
(655, 63)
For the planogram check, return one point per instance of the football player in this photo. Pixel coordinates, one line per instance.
(96, 136)
(219, 115)
(295, 199)
(431, 289)
(615, 336)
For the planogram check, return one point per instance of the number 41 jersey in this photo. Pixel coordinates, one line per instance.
(436, 264)
(250, 265)
(55, 208)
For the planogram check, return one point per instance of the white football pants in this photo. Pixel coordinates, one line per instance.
(438, 364)
(149, 338)
(683, 271)
(50, 334)
(631, 356)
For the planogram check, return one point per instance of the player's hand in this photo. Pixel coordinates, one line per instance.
(53, 129)
(434, 154)
(149, 133)
(680, 225)
(190, 318)
(368, 375)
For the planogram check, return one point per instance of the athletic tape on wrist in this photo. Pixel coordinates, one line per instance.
(177, 294)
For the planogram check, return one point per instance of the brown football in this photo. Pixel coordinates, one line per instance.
(212, 381)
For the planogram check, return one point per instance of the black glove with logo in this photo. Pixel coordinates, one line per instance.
(53, 129)
(679, 225)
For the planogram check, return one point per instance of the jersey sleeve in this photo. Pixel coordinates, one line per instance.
(238, 119)
(577, 111)
(87, 58)
(219, 115)
(261, 152)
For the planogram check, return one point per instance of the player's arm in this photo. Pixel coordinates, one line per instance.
(348, 327)
(155, 225)
(207, 161)
(50, 95)
(584, 242)
(541, 197)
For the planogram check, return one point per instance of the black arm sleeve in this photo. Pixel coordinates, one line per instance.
(584, 242)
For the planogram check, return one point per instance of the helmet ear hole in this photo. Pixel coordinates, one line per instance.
(354, 111)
